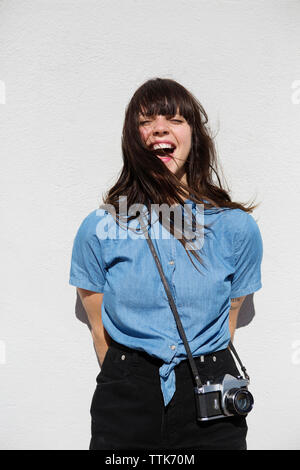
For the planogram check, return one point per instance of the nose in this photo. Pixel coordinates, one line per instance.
(160, 126)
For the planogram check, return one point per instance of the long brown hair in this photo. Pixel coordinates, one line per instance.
(147, 180)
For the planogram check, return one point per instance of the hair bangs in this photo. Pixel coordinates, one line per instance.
(164, 98)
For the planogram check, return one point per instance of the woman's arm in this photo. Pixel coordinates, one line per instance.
(234, 313)
(92, 302)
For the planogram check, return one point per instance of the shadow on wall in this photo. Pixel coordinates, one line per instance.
(247, 312)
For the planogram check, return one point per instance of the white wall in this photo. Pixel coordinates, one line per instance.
(67, 71)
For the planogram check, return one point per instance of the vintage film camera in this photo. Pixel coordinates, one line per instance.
(226, 396)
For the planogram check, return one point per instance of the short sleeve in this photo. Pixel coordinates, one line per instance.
(87, 264)
(248, 252)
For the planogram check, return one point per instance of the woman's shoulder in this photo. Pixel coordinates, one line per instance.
(93, 217)
(239, 218)
(241, 224)
(91, 225)
(235, 215)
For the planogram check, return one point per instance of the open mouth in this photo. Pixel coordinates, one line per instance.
(163, 150)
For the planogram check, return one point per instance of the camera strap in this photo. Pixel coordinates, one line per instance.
(178, 321)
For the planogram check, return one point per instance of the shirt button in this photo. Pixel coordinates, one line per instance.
(123, 357)
(171, 262)
(173, 347)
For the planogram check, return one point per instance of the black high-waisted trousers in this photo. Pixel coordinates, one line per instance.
(128, 411)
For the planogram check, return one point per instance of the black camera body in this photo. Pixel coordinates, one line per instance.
(226, 396)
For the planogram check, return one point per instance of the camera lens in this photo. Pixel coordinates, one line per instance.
(239, 401)
(243, 401)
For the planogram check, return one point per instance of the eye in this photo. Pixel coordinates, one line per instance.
(143, 122)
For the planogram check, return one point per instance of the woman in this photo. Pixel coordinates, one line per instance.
(144, 398)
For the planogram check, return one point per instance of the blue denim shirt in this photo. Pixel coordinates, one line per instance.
(135, 308)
